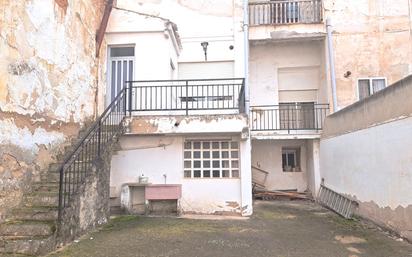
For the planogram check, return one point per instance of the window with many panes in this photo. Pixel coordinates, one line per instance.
(369, 86)
(211, 159)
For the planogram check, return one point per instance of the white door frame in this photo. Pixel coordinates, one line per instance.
(108, 98)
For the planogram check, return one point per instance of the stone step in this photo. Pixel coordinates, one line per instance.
(27, 228)
(35, 213)
(44, 186)
(43, 199)
(54, 177)
(33, 246)
(55, 167)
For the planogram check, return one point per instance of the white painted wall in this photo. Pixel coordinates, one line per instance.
(372, 164)
(197, 22)
(276, 68)
(154, 48)
(267, 155)
(155, 156)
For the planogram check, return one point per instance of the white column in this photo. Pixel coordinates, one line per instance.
(316, 166)
(246, 177)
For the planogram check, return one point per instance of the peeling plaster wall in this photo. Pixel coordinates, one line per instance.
(49, 77)
(372, 38)
(196, 124)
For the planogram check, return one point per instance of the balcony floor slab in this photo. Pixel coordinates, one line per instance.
(192, 124)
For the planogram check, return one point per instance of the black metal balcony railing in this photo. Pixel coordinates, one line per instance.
(286, 117)
(285, 12)
(186, 95)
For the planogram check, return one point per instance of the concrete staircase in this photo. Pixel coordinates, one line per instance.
(31, 228)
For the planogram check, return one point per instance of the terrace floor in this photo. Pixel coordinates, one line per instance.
(276, 229)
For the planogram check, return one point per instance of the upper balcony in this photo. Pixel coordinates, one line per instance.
(288, 120)
(284, 19)
(186, 106)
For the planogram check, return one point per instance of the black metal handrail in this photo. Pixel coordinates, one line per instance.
(287, 117)
(186, 95)
(285, 12)
(89, 149)
(223, 93)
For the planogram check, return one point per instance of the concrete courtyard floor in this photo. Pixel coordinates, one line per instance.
(276, 229)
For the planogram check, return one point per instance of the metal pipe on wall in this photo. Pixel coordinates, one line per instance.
(331, 64)
(246, 52)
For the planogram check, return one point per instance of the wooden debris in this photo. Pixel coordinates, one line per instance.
(280, 195)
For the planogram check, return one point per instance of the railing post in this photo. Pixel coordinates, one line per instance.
(60, 210)
(124, 100)
(99, 138)
(187, 97)
(130, 98)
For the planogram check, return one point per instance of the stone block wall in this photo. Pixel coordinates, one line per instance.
(90, 206)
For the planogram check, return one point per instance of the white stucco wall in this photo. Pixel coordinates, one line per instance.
(268, 60)
(155, 156)
(154, 47)
(197, 22)
(267, 155)
(372, 164)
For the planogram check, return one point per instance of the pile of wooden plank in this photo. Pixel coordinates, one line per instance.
(280, 195)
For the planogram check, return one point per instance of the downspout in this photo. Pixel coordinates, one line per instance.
(410, 30)
(246, 52)
(331, 64)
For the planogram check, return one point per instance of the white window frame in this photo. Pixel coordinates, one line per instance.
(370, 84)
(234, 172)
(294, 151)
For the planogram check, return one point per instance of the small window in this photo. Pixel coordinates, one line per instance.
(369, 86)
(211, 159)
(121, 51)
(291, 159)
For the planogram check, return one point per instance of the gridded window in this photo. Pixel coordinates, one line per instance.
(369, 86)
(211, 159)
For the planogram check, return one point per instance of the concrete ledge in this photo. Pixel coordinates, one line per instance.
(285, 135)
(392, 103)
(287, 31)
(193, 124)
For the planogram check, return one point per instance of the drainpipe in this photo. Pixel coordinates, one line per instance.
(246, 52)
(331, 64)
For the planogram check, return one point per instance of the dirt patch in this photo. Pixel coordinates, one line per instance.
(350, 239)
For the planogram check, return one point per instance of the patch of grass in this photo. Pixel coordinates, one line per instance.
(347, 223)
(120, 222)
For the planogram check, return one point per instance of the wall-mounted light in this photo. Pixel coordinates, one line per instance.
(204, 45)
